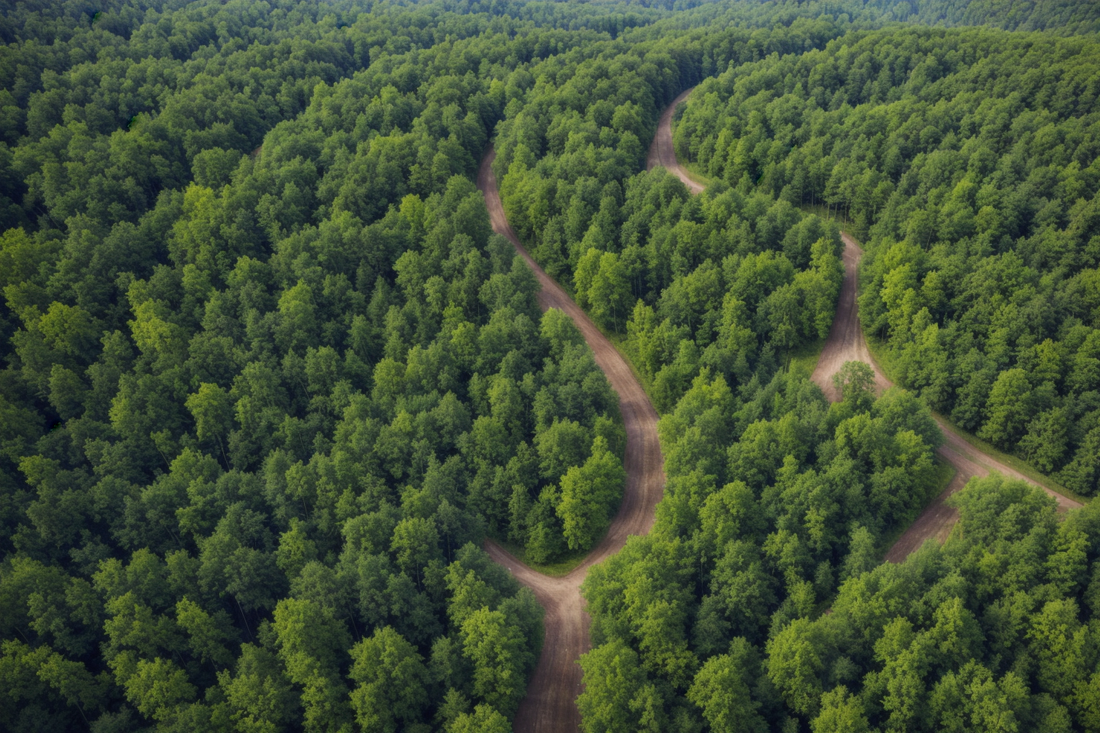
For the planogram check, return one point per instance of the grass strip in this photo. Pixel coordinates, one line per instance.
(556, 569)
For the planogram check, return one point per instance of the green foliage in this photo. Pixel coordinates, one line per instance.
(392, 679)
(974, 186)
(717, 605)
(968, 635)
(588, 496)
(726, 281)
(269, 379)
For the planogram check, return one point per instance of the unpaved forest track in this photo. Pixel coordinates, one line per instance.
(550, 705)
(661, 152)
(847, 343)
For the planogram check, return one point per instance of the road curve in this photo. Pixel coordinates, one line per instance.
(847, 343)
(661, 151)
(550, 705)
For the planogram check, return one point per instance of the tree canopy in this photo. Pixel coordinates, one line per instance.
(269, 380)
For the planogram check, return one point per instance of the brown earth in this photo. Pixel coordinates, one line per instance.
(550, 705)
(661, 152)
(847, 343)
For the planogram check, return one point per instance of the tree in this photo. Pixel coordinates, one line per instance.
(392, 689)
(1062, 647)
(855, 383)
(840, 712)
(560, 446)
(1044, 445)
(212, 408)
(588, 494)
(312, 645)
(1087, 702)
(722, 689)
(501, 659)
(1008, 409)
(484, 719)
(609, 294)
(587, 270)
(415, 543)
(863, 555)
(560, 332)
(613, 679)
(259, 694)
(795, 666)
(157, 688)
(209, 633)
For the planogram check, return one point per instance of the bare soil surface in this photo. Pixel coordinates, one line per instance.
(847, 343)
(550, 705)
(661, 152)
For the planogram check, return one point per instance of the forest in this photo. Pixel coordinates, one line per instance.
(969, 163)
(273, 391)
(264, 404)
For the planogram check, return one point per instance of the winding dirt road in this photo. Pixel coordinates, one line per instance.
(847, 343)
(550, 705)
(661, 151)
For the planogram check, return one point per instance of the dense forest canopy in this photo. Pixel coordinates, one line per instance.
(1063, 17)
(968, 160)
(269, 380)
(920, 140)
(774, 500)
(731, 282)
(261, 406)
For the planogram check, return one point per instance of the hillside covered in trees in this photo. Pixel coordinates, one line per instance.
(269, 380)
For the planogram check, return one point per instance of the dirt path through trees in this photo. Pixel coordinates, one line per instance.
(847, 343)
(661, 152)
(550, 704)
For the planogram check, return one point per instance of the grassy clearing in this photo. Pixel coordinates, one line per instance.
(695, 174)
(556, 569)
(803, 360)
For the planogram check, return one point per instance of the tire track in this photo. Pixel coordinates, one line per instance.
(846, 342)
(550, 705)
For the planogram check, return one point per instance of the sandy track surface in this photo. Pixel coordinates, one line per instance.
(661, 152)
(550, 704)
(847, 343)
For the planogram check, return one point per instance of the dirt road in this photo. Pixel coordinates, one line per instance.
(661, 152)
(846, 343)
(550, 705)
